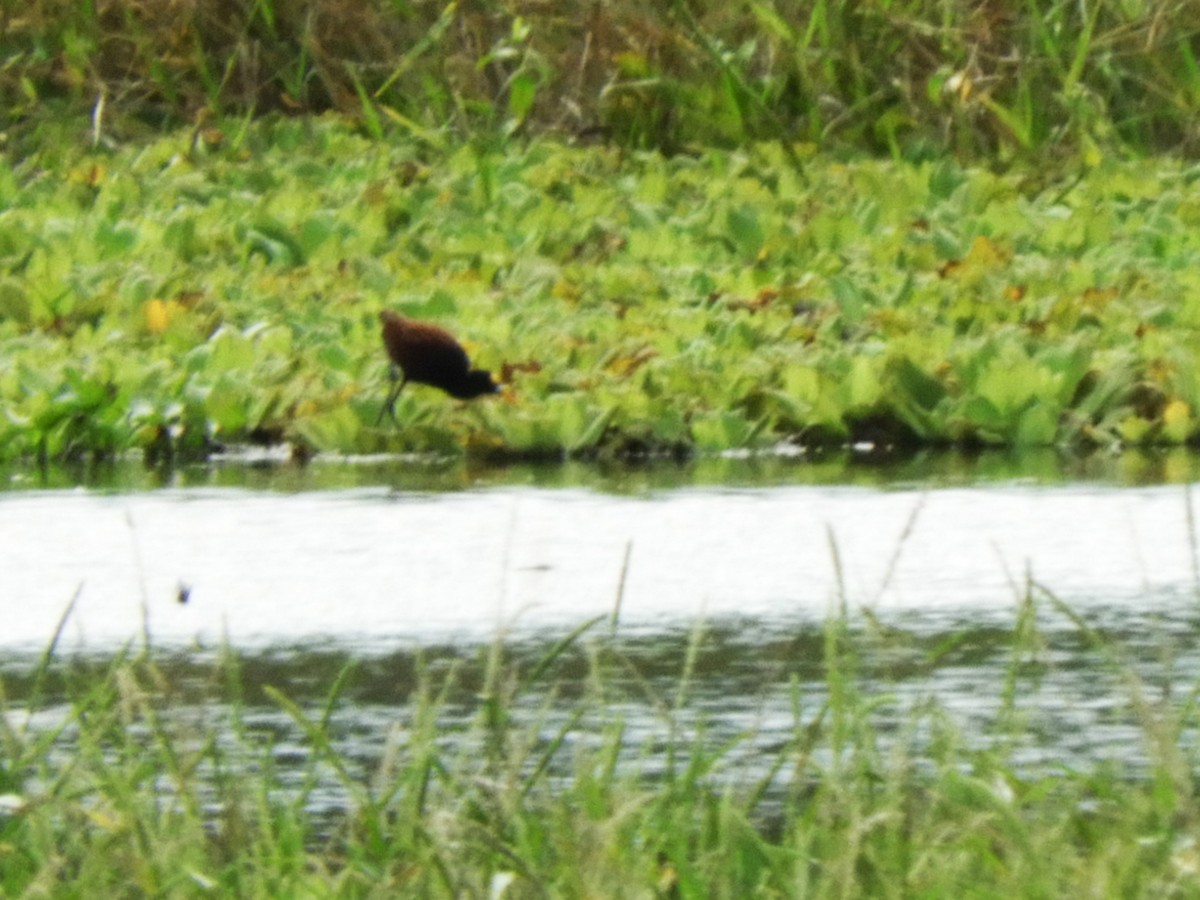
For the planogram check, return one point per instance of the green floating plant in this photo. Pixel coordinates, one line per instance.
(630, 303)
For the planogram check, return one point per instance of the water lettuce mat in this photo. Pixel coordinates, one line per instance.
(196, 291)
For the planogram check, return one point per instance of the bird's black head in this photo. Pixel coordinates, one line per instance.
(475, 383)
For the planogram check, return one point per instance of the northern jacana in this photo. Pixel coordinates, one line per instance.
(427, 354)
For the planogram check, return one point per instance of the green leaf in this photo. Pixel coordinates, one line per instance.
(273, 241)
(909, 379)
(945, 178)
(981, 412)
(522, 91)
(862, 388)
(1037, 426)
(745, 229)
(850, 298)
(334, 431)
(114, 239)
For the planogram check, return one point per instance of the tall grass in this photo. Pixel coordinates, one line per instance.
(905, 76)
(111, 789)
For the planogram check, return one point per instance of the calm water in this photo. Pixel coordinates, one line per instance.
(377, 567)
(301, 571)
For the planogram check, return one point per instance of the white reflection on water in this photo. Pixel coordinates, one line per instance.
(369, 567)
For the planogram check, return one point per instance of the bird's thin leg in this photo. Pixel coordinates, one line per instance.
(389, 405)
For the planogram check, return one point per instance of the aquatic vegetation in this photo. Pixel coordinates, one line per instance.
(175, 301)
(662, 225)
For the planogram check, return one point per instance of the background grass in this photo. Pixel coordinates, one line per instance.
(977, 79)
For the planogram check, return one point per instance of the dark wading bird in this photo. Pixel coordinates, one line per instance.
(426, 354)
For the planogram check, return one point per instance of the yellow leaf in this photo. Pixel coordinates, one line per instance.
(1133, 429)
(90, 174)
(984, 257)
(157, 316)
(632, 64)
(104, 819)
(1177, 421)
(627, 364)
(986, 254)
(1176, 411)
(565, 289)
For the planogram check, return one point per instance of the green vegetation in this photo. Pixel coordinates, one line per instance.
(661, 226)
(120, 781)
(167, 297)
(1043, 77)
(671, 229)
